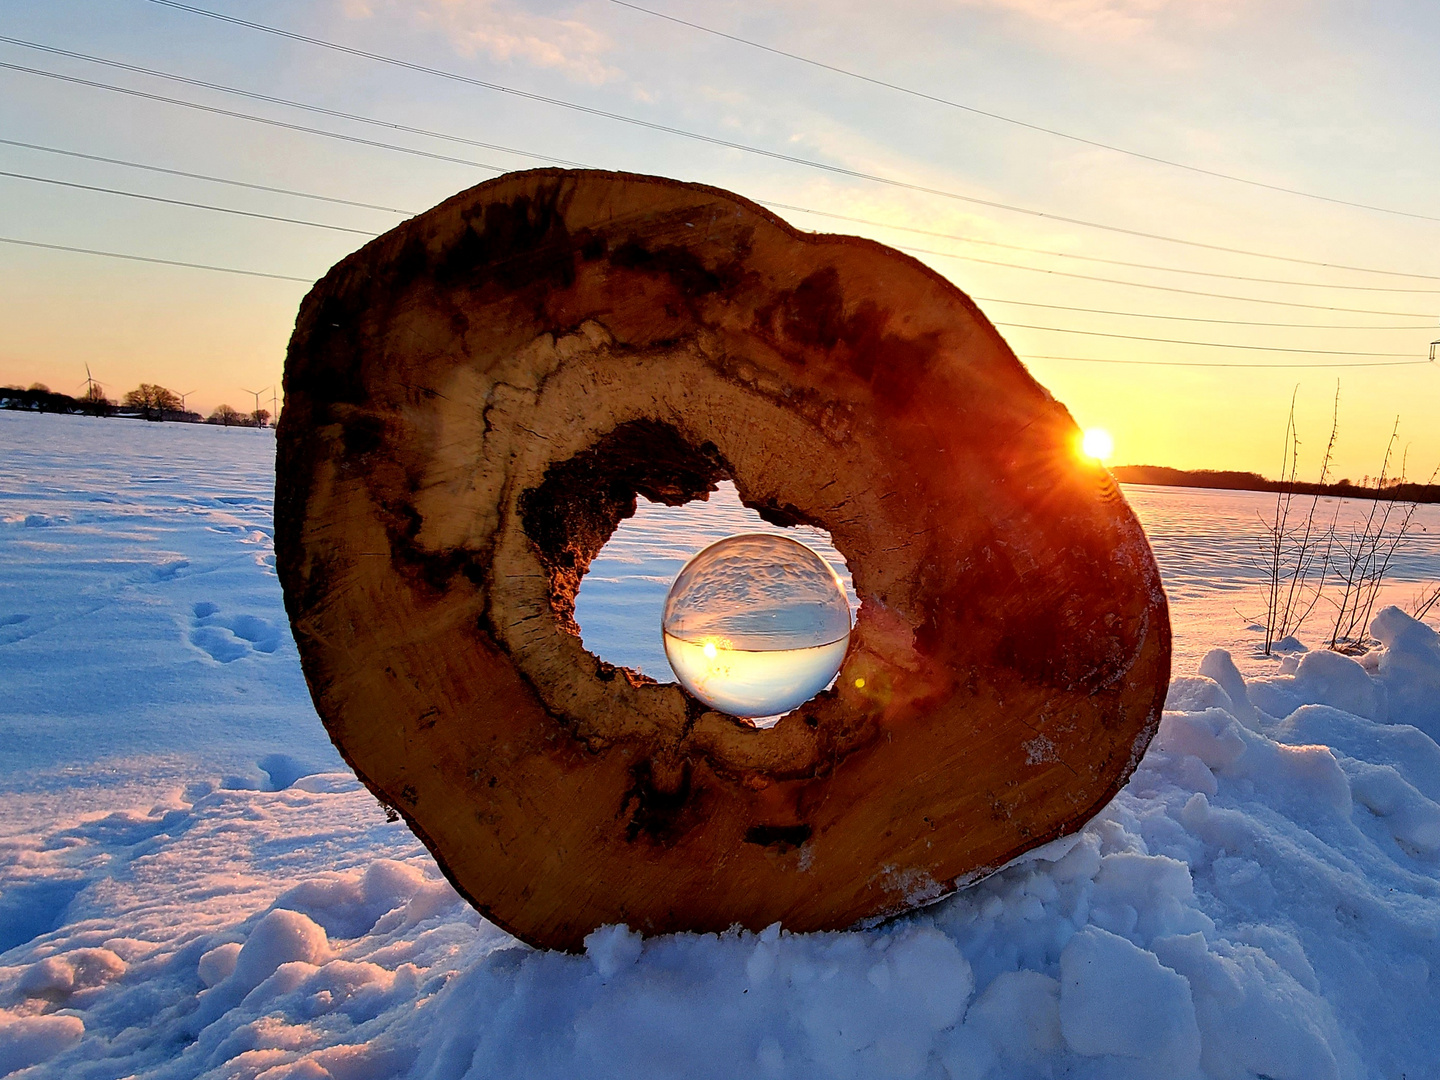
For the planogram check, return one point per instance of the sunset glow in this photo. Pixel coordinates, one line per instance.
(1194, 371)
(1096, 443)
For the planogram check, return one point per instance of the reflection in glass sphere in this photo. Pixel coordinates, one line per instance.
(755, 625)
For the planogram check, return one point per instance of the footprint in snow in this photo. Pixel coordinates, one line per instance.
(227, 638)
(11, 628)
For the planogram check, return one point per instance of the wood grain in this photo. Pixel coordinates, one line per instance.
(472, 403)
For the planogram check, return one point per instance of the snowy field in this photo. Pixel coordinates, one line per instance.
(191, 883)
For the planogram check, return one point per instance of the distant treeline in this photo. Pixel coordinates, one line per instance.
(1228, 480)
(147, 401)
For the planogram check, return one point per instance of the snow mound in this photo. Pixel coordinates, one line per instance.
(1260, 900)
(60, 977)
(30, 1040)
(1119, 1000)
(1409, 668)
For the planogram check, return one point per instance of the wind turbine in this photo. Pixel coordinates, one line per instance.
(183, 396)
(90, 384)
(94, 392)
(257, 394)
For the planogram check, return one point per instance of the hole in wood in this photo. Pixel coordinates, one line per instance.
(620, 603)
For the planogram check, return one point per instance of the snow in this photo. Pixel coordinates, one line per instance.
(30, 1040)
(192, 884)
(1119, 1000)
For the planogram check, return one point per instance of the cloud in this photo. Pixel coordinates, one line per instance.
(507, 34)
(1114, 19)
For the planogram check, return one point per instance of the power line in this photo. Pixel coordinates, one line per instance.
(1202, 364)
(1165, 288)
(1091, 258)
(967, 258)
(183, 202)
(251, 117)
(1177, 270)
(1206, 344)
(1054, 329)
(148, 259)
(1076, 359)
(205, 177)
(921, 250)
(981, 299)
(1019, 123)
(785, 206)
(305, 106)
(1193, 318)
(944, 254)
(1062, 273)
(562, 161)
(774, 155)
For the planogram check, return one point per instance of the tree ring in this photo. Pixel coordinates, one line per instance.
(473, 402)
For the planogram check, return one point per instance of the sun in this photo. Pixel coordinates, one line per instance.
(1096, 443)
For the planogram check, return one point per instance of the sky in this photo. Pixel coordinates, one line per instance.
(1336, 100)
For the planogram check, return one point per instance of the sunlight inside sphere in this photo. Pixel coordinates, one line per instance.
(1096, 443)
(756, 625)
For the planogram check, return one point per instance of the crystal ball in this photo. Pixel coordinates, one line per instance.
(756, 624)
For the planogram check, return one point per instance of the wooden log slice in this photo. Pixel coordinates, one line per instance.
(472, 403)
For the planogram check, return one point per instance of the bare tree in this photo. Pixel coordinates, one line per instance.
(1366, 555)
(95, 401)
(1357, 557)
(1425, 602)
(1293, 554)
(153, 401)
(226, 416)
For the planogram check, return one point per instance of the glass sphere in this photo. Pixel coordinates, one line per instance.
(756, 624)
